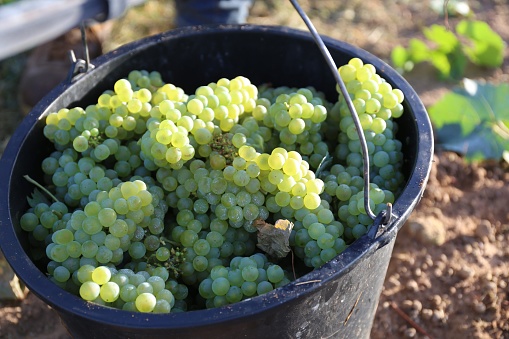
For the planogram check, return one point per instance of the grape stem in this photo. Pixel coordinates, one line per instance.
(32, 181)
(332, 65)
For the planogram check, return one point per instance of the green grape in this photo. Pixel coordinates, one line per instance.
(276, 161)
(250, 273)
(146, 302)
(137, 250)
(264, 287)
(282, 199)
(107, 217)
(275, 274)
(101, 275)
(84, 273)
(201, 247)
(144, 287)
(57, 253)
(381, 159)
(62, 237)
(325, 241)
(104, 255)
(73, 248)
(220, 286)
(205, 289)
(80, 143)
(249, 288)
(312, 249)
(109, 292)
(162, 254)
(128, 293)
(61, 274)
(90, 290)
(316, 230)
(311, 201)
(215, 239)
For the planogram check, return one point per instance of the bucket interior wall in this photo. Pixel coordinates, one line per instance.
(192, 57)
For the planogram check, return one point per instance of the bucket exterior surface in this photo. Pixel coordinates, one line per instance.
(338, 300)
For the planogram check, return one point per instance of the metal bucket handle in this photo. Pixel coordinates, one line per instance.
(385, 216)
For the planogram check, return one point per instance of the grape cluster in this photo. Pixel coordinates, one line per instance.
(244, 278)
(160, 193)
(376, 104)
(179, 129)
(141, 291)
(296, 116)
(126, 219)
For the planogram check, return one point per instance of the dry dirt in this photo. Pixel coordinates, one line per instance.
(449, 274)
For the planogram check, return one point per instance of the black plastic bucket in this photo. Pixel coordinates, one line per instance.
(338, 300)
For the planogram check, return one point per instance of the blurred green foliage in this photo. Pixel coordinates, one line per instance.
(449, 52)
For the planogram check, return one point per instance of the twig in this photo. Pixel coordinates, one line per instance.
(403, 315)
(446, 14)
(32, 181)
(293, 266)
(307, 282)
(353, 307)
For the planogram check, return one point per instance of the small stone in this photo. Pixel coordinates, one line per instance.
(445, 198)
(502, 283)
(438, 316)
(349, 14)
(485, 230)
(465, 272)
(407, 303)
(394, 280)
(437, 300)
(430, 231)
(491, 287)
(410, 332)
(427, 313)
(413, 286)
(468, 249)
(479, 307)
(417, 305)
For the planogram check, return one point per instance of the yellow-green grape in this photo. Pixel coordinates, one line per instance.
(145, 302)
(101, 275)
(312, 201)
(109, 292)
(90, 290)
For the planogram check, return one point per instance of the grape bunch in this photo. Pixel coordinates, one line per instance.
(159, 195)
(244, 278)
(143, 291)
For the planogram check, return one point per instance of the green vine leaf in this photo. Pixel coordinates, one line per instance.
(37, 198)
(487, 48)
(449, 52)
(473, 120)
(445, 40)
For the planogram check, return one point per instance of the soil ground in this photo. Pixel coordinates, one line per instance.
(449, 274)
